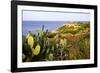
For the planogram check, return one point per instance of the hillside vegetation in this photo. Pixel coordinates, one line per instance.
(71, 41)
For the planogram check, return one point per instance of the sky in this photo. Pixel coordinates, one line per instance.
(54, 16)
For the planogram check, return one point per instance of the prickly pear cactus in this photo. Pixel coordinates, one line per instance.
(30, 41)
(37, 50)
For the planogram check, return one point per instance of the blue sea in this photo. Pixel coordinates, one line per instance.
(35, 25)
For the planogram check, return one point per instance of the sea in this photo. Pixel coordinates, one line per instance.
(35, 25)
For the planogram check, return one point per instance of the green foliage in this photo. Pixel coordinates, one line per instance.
(40, 32)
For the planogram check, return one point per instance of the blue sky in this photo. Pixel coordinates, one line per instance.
(54, 16)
